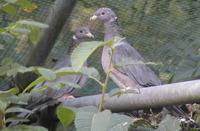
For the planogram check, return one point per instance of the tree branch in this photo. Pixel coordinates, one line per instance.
(157, 96)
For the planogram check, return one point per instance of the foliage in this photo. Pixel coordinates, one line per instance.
(65, 115)
(11, 6)
(163, 31)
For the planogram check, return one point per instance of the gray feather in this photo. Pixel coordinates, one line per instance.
(137, 70)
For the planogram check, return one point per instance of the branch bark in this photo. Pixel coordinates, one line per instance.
(157, 96)
(56, 20)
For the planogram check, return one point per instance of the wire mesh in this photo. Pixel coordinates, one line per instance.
(166, 32)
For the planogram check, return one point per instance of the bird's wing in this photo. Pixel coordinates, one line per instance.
(135, 67)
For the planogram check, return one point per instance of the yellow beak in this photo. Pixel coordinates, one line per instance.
(90, 35)
(94, 17)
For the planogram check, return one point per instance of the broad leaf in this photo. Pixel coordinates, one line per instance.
(47, 73)
(65, 115)
(83, 120)
(8, 8)
(90, 72)
(100, 121)
(83, 51)
(34, 34)
(120, 122)
(169, 123)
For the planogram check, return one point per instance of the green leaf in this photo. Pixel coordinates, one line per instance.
(47, 73)
(24, 3)
(100, 121)
(83, 51)
(34, 83)
(120, 122)
(14, 119)
(24, 128)
(8, 8)
(17, 109)
(3, 105)
(34, 34)
(66, 71)
(169, 123)
(83, 120)
(65, 115)
(13, 91)
(33, 23)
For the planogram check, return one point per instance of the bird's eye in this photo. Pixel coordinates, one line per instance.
(103, 13)
(81, 31)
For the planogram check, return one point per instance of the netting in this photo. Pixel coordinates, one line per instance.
(166, 32)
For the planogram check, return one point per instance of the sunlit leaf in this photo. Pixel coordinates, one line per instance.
(34, 34)
(65, 115)
(8, 8)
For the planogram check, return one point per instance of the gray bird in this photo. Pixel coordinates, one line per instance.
(128, 76)
(44, 104)
(132, 75)
(81, 34)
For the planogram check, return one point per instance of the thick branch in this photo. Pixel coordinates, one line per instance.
(56, 20)
(157, 96)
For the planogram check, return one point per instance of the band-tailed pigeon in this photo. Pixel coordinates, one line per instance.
(49, 98)
(131, 75)
(81, 34)
(128, 76)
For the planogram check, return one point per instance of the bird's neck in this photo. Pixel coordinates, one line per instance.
(111, 30)
(73, 45)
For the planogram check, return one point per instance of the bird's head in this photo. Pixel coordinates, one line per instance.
(82, 33)
(104, 15)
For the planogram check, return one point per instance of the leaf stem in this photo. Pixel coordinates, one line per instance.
(104, 86)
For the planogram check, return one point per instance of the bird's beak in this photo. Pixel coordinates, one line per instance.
(90, 35)
(94, 17)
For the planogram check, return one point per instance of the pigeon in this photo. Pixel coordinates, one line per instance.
(80, 35)
(43, 105)
(130, 76)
